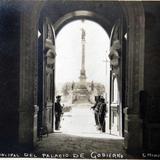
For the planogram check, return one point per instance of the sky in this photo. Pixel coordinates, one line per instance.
(69, 52)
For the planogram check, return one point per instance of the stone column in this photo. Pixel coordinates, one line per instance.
(28, 73)
(83, 72)
(83, 50)
(134, 78)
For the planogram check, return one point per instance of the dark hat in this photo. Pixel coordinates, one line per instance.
(102, 98)
(58, 96)
(99, 97)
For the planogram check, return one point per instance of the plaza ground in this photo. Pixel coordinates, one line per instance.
(78, 134)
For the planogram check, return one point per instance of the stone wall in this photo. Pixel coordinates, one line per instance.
(152, 76)
(9, 72)
(152, 49)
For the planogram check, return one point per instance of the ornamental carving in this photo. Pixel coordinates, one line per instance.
(49, 41)
(50, 50)
(114, 56)
(49, 32)
(50, 60)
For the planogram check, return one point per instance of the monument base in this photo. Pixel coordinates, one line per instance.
(80, 96)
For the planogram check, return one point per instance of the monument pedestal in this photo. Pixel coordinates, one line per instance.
(81, 94)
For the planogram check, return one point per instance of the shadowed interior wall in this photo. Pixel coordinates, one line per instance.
(152, 76)
(9, 72)
(152, 49)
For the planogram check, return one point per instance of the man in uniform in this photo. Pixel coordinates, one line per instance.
(58, 112)
(102, 114)
(95, 108)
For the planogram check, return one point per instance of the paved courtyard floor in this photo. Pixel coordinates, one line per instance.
(79, 137)
(64, 144)
(80, 121)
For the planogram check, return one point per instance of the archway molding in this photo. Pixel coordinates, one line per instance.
(82, 14)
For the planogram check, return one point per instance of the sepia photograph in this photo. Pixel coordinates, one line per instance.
(79, 79)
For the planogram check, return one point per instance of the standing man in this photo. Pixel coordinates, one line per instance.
(95, 108)
(102, 114)
(58, 112)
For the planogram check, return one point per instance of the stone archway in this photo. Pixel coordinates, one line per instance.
(84, 14)
(134, 14)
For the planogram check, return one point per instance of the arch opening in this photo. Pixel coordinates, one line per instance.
(71, 44)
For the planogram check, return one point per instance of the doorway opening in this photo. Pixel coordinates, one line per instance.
(83, 72)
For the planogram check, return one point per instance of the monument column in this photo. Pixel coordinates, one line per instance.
(83, 72)
(81, 92)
